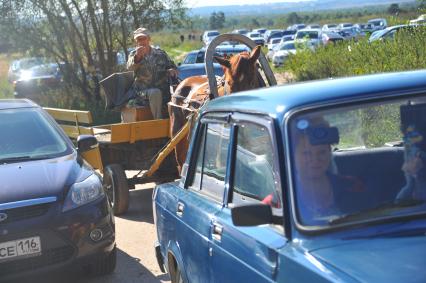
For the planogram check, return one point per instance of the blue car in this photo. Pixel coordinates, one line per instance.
(54, 212)
(322, 181)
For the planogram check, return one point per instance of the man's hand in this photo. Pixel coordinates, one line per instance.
(140, 52)
(172, 72)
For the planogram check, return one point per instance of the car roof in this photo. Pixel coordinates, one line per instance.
(278, 100)
(16, 103)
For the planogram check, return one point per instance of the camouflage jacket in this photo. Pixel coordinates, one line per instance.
(151, 71)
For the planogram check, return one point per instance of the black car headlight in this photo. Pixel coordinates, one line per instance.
(83, 192)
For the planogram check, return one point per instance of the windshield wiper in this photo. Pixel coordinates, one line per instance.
(375, 210)
(15, 159)
(22, 158)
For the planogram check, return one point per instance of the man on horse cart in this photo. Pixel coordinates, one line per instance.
(152, 68)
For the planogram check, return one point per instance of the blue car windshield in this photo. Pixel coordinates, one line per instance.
(26, 134)
(359, 163)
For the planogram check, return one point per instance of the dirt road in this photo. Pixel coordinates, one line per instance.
(136, 260)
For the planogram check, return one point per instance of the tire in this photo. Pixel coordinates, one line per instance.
(104, 265)
(178, 276)
(116, 187)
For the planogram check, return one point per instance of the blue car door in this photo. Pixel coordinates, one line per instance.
(201, 199)
(249, 254)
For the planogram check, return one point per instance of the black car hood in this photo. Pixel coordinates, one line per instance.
(41, 178)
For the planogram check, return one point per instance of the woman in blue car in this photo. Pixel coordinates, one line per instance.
(320, 191)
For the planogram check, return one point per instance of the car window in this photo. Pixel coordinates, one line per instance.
(27, 133)
(359, 163)
(191, 58)
(254, 179)
(209, 177)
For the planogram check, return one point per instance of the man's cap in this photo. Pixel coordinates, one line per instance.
(140, 32)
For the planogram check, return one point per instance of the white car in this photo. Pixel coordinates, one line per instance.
(273, 42)
(209, 35)
(378, 24)
(283, 52)
(329, 27)
(344, 25)
(256, 37)
(312, 37)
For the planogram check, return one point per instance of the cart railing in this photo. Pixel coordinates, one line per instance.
(70, 121)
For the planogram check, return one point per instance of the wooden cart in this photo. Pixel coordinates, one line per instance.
(141, 145)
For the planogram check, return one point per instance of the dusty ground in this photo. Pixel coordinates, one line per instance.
(136, 260)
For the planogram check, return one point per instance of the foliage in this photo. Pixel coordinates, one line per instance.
(83, 34)
(405, 52)
(394, 9)
(217, 20)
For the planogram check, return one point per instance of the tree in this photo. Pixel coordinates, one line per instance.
(293, 18)
(217, 20)
(422, 4)
(394, 9)
(84, 35)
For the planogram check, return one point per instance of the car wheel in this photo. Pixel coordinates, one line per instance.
(104, 265)
(178, 276)
(116, 187)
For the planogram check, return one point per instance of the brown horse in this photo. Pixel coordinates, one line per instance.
(240, 74)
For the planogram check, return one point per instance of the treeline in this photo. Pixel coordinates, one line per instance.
(320, 17)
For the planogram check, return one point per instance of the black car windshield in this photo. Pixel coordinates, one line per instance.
(359, 163)
(27, 134)
(307, 34)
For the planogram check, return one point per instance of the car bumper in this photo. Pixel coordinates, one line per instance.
(64, 237)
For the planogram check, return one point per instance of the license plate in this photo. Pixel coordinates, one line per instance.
(20, 248)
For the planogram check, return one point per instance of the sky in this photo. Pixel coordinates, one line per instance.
(203, 3)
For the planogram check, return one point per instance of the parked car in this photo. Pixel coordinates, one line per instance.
(209, 35)
(331, 37)
(37, 79)
(420, 20)
(197, 69)
(366, 28)
(257, 38)
(197, 56)
(329, 27)
(309, 36)
(282, 53)
(273, 43)
(248, 207)
(351, 33)
(344, 25)
(240, 31)
(54, 212)
(269, 34)
(17, 66)
(287, 38)
(390, 32)
(296, 27)
(378, 24)
(260, 30)
(313, 26)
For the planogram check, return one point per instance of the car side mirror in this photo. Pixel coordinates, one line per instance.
(251, 214)
(179, 63)
(86, 143)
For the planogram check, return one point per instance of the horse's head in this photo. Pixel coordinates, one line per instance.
(241, 71)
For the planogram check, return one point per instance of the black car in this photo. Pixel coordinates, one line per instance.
(197, 69)
(54, 212)
(37, 79)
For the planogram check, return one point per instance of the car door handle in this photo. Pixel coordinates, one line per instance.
(217, 230)
(180, 209)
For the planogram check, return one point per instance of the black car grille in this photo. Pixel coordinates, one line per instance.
(21, 213)
(49, 257)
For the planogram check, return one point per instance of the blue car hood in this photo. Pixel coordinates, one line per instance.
(41, 178)
(398, 259)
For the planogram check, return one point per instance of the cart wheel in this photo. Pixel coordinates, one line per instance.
(116, 187)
